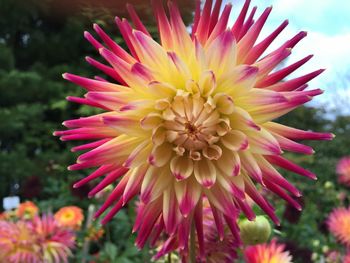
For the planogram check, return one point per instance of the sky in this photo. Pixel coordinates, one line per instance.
(328, 25)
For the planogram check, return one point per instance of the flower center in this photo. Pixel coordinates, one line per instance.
(191, 129)
(194, 124)
(191, 122)
(68, 216)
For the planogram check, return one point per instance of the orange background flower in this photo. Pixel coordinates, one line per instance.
(27, 210)
(267, 253)
(70, 216)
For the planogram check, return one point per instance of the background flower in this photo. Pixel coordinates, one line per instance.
(17, 242)
(339, 224)
(267, 253)
(27, 210)
(219, 244)
(55, 241)
(343, 170)
(346, 258)
(70, 216)
(333, 257)
(95, 233)
(37, 240)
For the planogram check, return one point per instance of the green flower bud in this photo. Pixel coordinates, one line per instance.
(316, 242)
(325, 249)
(328, 185)
(255, 232)
(314, 256)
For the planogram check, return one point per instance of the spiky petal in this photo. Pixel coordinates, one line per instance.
(219, 246)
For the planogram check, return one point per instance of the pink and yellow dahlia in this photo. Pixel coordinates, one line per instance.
(267, 253)
(27, 210)
(55, 241)
(17, 242)
(70, 216)
(343, 170)
(191, 117)
(334, 256)
(38, 240)
(219, 246)
(339, 225)
(346, 258)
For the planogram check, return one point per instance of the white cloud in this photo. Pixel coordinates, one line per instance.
(328, 25)
(331, 52)
(325, 16)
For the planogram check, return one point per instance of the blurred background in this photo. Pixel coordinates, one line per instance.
(40, 40)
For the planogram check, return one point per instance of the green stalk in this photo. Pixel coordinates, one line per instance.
(193, 244)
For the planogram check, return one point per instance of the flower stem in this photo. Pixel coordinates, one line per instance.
(193, 244)
(169, 257)
(86, 245)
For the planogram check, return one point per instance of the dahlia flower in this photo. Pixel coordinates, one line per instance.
(346, 258)
(55, 241)
(3, 216)
(70, 216)
(39, 240)
(95, 233)
(267, 253)
(219, 247)
(334, 257)
(343, 170)
(10, 215)
(27, 210)
(17, 242)
(189, 117)
(339, 225)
